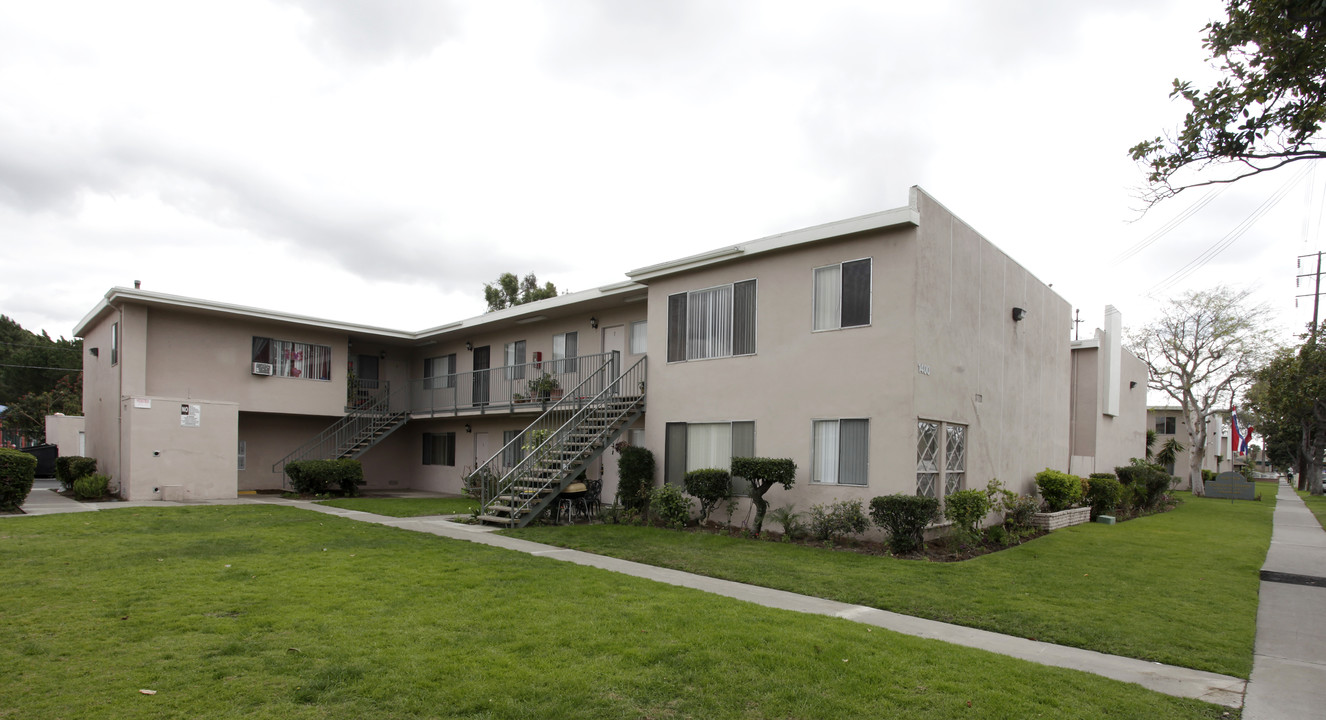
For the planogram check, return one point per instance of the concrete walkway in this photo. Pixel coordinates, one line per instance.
(1289, 660)
(1168, 679)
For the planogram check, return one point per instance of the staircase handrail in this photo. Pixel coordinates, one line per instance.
(379, 411)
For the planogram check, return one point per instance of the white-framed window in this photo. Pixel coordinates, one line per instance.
(514, 353)
(294, 359)
(243, 455)
(440, 448)
(840, 452)
(695, 446)
(941, 457)
(1167, 425)
(564, 353)
(714, 322)
(115, 343)
(638, 337)
(440, 372)
(842, 295)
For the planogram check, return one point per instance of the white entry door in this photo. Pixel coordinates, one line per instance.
(481, 451)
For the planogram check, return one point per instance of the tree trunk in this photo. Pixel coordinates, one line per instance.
(757, 499)
(1197, 454)
(1304, 454)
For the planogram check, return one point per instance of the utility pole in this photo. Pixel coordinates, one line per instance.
(1077, 320)
(1316, 293)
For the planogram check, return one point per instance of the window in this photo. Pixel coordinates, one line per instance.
(840, 452)
(692, 446)
(1166, 425)
(512, 452)
(115, 343)
(440, 372)
(934, 470)
(515, 360)
(440, 449)
(564, 353)
(638, 338)
(842, 295)
(712, 323)
(243, 455)
(293, 359)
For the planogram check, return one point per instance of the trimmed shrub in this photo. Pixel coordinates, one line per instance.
(72, 467)
(91, 487)
(1149, 483)
(1018, 512)
(1208, 475)
(671, 506)
(844, 517)
(635, 473)
(763, 474)
(710, 486)
(905, 518)
(17, 469)
(315, 477)
(1059, 490)
(966, 509)
(1103, 494)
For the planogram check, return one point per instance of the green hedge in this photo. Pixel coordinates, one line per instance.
(635, 473)
(1149, 483)
(315, 477)
(72, 467)
(710, 486)
(905, 517)
(17, 470)
(91, 487)
(1103, 494)
(1059, 490)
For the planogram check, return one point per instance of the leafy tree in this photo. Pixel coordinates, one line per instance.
(509, 291)
(763, 474)
(1266, 112)
(1201, 352)
(1288, 402)
(38, 376)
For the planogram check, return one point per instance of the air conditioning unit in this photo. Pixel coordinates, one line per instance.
(262, 368)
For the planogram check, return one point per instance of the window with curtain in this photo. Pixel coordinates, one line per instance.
(842, 295)
(638, 335)
(694, 446)
(440, 372)
(515, 360)
(840, 452)
(294, 359)
(715, 322)
(440, 449)
(1166, 425)
(564, 353)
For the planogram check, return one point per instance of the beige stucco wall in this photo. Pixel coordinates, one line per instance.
(269, 437)
(101, 399)
(165, 460)
(1007, 381)
(207, 356)
(1215, 444)
(64, 431)
(1102, 442)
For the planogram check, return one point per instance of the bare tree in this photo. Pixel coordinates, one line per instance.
(1201, 352)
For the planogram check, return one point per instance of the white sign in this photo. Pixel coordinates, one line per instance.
(143, 403)
(191, 415)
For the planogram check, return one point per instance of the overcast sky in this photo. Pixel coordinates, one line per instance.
(376, 161)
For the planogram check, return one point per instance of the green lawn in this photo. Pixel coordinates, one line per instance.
(275, 612)
(1315, 503)
(407, 507)
(1178, 588)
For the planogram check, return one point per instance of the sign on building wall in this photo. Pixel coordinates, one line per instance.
(191, 415)
(143, 403)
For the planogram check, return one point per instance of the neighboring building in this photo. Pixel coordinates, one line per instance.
(1170, 423)
(66, 433)
(1108, 412)
(898, 352)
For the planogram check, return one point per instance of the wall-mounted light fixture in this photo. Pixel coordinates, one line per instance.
(383, 355)
(1132, 384)
(468, 428)
(469, 345)
(1019, 314)
(95, 351)
(594, 323)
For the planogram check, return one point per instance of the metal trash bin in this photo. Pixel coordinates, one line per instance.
(45, 455)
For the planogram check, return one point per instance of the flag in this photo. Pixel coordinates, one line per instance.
(1247, 437)
(1235, 439)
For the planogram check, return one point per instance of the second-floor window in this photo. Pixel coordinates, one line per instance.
(440, 372)
(1166, 425)
(712, 323)
(294, 359)
(515, 360)
(842, 295)
(564, 352)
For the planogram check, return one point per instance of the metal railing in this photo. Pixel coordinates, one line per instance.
(352, 434)
(556, 443)
(513, 387)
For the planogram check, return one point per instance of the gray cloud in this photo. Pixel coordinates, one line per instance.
(378, 30)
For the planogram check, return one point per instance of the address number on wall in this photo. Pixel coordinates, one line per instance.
(923, 368)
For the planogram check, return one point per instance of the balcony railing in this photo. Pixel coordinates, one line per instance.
(530, 386)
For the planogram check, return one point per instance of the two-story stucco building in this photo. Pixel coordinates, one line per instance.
(895, 352)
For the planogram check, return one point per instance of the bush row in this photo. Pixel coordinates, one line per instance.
(72, 467)
(17, 470)
(315, 477)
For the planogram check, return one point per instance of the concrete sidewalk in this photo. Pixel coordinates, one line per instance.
(1289, 660)
(44, 500)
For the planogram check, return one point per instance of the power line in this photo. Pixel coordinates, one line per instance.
(1232, 236)
(36, 367)
(42, 347)
(1174, 222)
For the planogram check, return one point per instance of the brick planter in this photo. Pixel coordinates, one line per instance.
(1061, 519)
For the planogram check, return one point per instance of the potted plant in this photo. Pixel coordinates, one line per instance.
(544, 387)
(520, 398)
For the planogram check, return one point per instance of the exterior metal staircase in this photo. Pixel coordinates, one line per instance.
(352, 435)
(559, 445)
